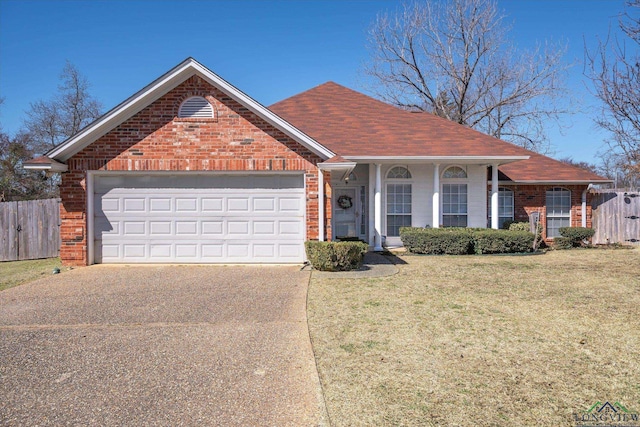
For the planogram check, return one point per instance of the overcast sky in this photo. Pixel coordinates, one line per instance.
(268, 49)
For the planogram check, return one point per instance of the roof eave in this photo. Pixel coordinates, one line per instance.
(53, 166)
(501, 160)
(337, 166)
(558, 181)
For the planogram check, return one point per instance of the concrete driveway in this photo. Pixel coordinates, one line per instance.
(159, 345)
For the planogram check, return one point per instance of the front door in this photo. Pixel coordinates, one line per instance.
(345, 212)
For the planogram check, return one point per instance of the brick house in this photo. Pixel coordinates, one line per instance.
(191, 169)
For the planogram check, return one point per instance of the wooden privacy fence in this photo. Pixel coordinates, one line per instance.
(29, 229)
(616, 216)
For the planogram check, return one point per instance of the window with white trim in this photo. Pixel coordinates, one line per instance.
(454, 205)
(398, 200)
(505, 206)
(196, 107)
(558, 210)
(454, 172)
(454, 197)
(399, 172)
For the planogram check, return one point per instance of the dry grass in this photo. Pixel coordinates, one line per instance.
(480, 340)
(14, 273)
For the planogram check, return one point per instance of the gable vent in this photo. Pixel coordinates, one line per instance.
(196, 107)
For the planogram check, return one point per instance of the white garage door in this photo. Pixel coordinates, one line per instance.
(189, 218)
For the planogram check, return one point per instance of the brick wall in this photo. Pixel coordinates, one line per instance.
(532, 198)
(156, 140)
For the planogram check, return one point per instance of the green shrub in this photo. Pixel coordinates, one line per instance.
(562, 243)
(335, 256)
(577, 235)
(463, 241)
(525, 226)
(437, 241)
(507, 224)
(489, 241)
(517, 225)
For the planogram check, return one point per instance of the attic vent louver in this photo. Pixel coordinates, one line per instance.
(196, 107)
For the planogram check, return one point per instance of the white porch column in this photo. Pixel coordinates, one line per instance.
(320, 205)
(436, 196)
(371, 225)
(378, 210)
(494, 197)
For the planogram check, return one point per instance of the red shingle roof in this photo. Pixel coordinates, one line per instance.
(350, 123)
(543, 168)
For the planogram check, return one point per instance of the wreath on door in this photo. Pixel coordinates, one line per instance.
(345, 202)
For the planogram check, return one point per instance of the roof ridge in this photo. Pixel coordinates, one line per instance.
(341, 87)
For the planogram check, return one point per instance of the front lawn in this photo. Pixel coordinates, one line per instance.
(14, 273)
(480, 340)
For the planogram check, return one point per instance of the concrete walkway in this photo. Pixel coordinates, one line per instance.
(159, 346)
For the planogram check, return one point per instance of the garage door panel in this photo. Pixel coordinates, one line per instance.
(264, 228)
(212, 204)
(160, 205)
(238, 204)
(212, 228)
(160, 251)
(290, 228)
(288, 204)
(290, 251)
(264, 204)
(110, 204)
(212, 251)
(267, 250)
(238, 250)
(186, 251)
(238, 228)
(109, 251)
(133, 205)
(199, 224)
(189, 204)
(160, 228)
(189, 228)
(134, 228)
(133, 251)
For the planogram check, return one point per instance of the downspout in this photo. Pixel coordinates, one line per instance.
(584, 205)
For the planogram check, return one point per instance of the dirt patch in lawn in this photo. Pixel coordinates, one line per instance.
(480, 340)
(14, 273)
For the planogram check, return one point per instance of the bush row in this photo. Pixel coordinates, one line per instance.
(335, 256)
(463, 241)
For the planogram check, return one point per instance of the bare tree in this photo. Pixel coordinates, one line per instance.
(49, 122)
(614, 165)
(17, 183)
(591, 167)
(614, 69)
(454, 59)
